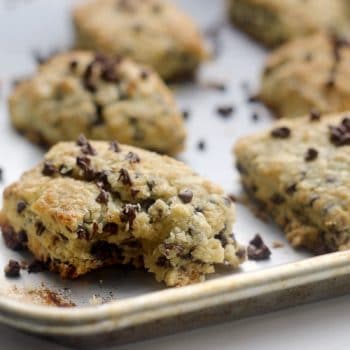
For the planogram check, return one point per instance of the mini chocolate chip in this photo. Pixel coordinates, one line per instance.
(128, 214)
(102, 198)
(144, 74)
(186, 114)
(82, 232)
(225, 111)
(103, 250)
(277, 199)
(114, 146)
(124, 177)
(201, 145)
(48, 169)
(255, 117)
(111, 228)
(257, 250)
(12, 269)
(222, 238)
(21, 205)
(73, 65)
(291, 189)
(37, 266)
(281, 132)
(132, 157)
(185, 196)
(162, 261)
(315, 116)
(311, 154)
(40, 228)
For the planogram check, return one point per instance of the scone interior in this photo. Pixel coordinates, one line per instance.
(89, 205)
(306, 74)
(106, 98)
(299, 173)
(274, 22)
(154, 32)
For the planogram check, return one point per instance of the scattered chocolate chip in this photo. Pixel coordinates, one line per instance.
(277, 199)
(81, 141)
(88, 149)
(12, 269)
(281, 132)
(132, 157)
(13, 240)
(37, 266)
(83, 163)
(253, 99)
(128, 214)
(222, 238)
(110, 228)
(225, 111)
(124, 177)
(102, 198)
(103, 250)
(82, 232)
(315, 116)
(291, 189)
(255, 117)
(311, 154)
(186, 114)
(21, 205)
(201, 145)
(48, 169)
(340, 135)
(114, 146)
(162, 261)
(257, 250)
(185, 196)
(40, 228)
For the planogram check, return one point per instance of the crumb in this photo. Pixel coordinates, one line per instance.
(36, 266)
(95, 300)
(12, 269)
(255, 117)
(257, 250)
(277, 244)
(186, 114)
(225, 111)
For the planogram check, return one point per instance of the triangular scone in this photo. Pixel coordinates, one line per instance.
(89, 205)
(154, 32)
(104, 98)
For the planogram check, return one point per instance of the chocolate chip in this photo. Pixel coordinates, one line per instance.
(84, 164)
(257, 250)
(114, 146)
(222, 238)
(225, 111)
(291, 189)
(110, 228)
(340, 135)
(144, 74)
(315, 116)
(1, 174)
(48, 169)
(73, 65)
(281, 132)
(253, 99)
(13, 240)
(82, 232)
(162, 261)
(132, 157)
(277, 199)
(86, 148)
(101, 179)
(186, 114)
(185, 196)
(103, 250)
(124, 177)
(311, 154)
(201, 145)
(37, 266)
(21, 206)
(232, 198)
(12, 269)
(128, 214)
(102, 198)
(255, 117)
(40, 228)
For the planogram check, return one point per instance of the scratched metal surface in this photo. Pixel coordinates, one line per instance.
(36, 26)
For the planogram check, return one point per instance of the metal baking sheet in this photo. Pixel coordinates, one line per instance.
(134, 306)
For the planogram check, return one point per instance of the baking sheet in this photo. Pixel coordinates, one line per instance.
(29, 28)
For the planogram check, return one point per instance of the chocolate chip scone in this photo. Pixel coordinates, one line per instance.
(101, 97)
(299, 172)
(89, 205)
(275, 21)
(308, 74)
(154, 32)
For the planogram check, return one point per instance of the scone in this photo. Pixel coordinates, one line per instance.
(299, 172)
(88, 205)
(154, 32)
(308, 74)
(273, 22)
(102, 97)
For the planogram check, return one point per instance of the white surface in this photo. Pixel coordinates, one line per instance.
(319, 326)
